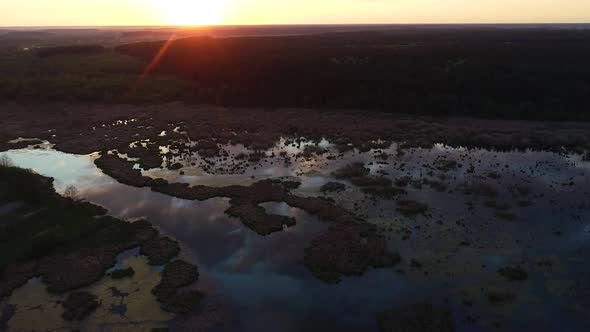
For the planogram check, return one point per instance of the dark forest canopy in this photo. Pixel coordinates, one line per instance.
(512, 73)
(70, 50)
(526, 72)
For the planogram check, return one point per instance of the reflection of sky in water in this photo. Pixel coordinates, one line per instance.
(66, 169)
(269, 167)
(266, 282)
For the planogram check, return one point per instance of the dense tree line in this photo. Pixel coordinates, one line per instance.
(511, 73)
(70, 50)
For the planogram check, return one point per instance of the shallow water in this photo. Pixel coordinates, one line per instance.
(265, 286)
(125, 304)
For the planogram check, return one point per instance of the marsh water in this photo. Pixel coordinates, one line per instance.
(533, 212)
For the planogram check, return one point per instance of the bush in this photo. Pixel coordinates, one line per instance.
(5, 161)
(71, 192)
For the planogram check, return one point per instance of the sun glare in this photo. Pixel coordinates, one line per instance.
(192, 12)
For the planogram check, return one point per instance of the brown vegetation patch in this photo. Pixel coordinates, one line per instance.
(68, 272)
(159, 250)
(78, 305)
(378, 186)
(480, 188)
(333, 187)
(175, 276)
(256, 218)
(207, 148)
(324, 209)
(123, 273)
(16, 275)
(122, 170)
(385, 192)
(499, 296)
(411, 208)
(511, 273)
(313, 150)
(403, 181)
(288, 184)
(435, 184)
(347, 249)
(5, 145)
(445, 165)
(350, 171)
(149, 156)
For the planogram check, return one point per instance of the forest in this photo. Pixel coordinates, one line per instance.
(480, 71)
(507, 73)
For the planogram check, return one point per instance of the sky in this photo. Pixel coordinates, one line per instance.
(207, 12)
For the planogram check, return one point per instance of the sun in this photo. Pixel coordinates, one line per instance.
(192, 12)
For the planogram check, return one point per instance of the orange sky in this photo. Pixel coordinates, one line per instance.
(198, 12)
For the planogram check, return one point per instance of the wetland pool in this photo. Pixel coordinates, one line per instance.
(485, 210)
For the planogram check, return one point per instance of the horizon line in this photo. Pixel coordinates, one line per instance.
(288, 24)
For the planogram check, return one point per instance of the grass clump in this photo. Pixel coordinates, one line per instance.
(351, 171)
(480, 188)
(378, 186)
(513, 273)
(175, 276)
(411, 208)
(123, 273)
